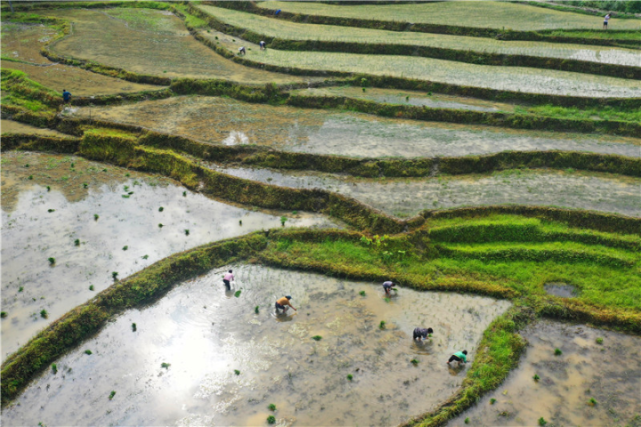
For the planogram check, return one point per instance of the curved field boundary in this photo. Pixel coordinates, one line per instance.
(546, 36)
(468, 56)
(578, 9)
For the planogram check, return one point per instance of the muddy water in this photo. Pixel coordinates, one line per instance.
(125, 238)
(10, 126)
(155, 43)
(205, 334)
(609, 372)
(407, 197)
(227, 121)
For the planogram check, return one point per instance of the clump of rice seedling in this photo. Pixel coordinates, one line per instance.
(271, 407)
(237, 294)
(51, 210)
(592, 401)
(294, 212)
(112, 394)
(51, 260)
(76, 242)
(362, 293)
(542, 421)
(407, 98)
(127, 174)
(186, 232)
(160, 225)
(145, 256)
(125, 196)
(381, 325)
(114, 274)
(133, 327)
(85, 185)
(48, 188)
(124, 248)
(30, 177)
(3, 314)
(95, 217)
(492, 401)
(536, 377)
(165, 365)
(236, 371)
(27, 165)
(256, 309)
(91, 287)
(160, 209)
(414, 362)
(599, 340)
(73, 165)
(184, 194)
(240, 222)
(387, 299)
(88, 352)
(350, 377)
(467, 420)
(557, 352)
(271, 419)
(317, 338)
(21, 289)
(104, 170)
(283, 220)
(44, 314)
(54, 368)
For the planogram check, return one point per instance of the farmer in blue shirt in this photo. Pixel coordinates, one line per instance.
(66, 96)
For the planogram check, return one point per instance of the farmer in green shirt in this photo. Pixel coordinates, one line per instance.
(459, 356)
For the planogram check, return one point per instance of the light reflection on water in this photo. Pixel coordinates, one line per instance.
(206, 334)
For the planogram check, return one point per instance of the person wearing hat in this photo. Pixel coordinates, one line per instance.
(283, 303)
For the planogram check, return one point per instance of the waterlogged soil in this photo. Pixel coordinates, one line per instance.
(404, 197)
(283, 29)
(499, 15)
(10, 126)
(609, 373)
(515, 79)
(230, 122)
(150, 42)
(39, 223)
(205, 333)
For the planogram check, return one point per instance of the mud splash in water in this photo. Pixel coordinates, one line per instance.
(407, 197)
(609, 373)
(38, 224)
(205, 334)
(227, 121)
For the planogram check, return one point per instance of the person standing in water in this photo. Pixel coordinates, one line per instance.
(388, 286)
(262, 45)
(459, 356)
(241, 51)
(421, 333)
(606, 20)
(66, 96)
(227, 278)
(284, 304)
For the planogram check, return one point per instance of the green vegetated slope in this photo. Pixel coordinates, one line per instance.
(286, 30)
(497, 15)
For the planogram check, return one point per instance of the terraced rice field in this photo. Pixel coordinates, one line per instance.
(497, 15)
(286, 30)
(496, 205)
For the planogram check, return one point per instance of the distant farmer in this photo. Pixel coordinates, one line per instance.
(605, 20)
(422, 333)
(284, 304)
(277, 12)
(459, 356)
(66, 96)
(262, 45)
(241, 50)
(227, 278)
(388, 286)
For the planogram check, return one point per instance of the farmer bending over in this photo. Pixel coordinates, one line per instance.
(66, 96)
(421, 333)
(241, 51)
(227, 278)
(459, 356)
(262, 45)
(283, 303)
(388, 286)
(605, 20)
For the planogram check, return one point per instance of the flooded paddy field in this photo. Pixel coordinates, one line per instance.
(203, 334)
(404, 197)
(230, 122)
(111, 225)
(517, 17)
(594, 364)
(131, 39)
(523, 79)
(288, 30)
(11, 126)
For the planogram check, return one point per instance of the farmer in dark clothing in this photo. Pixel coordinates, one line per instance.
(241, 51)
(66, 96)
(421, 333)
(388, 286)
(262, 45)
(459, 356)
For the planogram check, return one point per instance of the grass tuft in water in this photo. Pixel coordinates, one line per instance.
(165, 365)
(381, 325)
(362, 293)
(3, 314)
(51, 260)
(112, 394)
(536, 377)
(542, 421)
(414, 362)
(160, 209)
(557, 352)
(492, 401)
(88, 352)
(91, 287)
(271, 419)
(271, 407)
(317, 338)
(350, 377)
(599, 340)
(76, 242)
(237, 294)
(236, 371)
(256, 309)
(44, 314)
(54, 368)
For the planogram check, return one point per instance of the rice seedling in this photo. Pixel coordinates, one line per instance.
(381, 325)
(104, 170)
(21, 289)
(184, 194)
(124, 248)
(165, 365)
(114, 275)
(30, 177)
(271, 419)
(557, 352)
(27, 165)
(387, 299)
(76, 242)
(237, 293)
(73, 165)
(145, 257)
(350, 377)
(51, 260)
(542, 421)
(51, 210)
(536, 377)
(256, 309)
(54, 368)
(160, 225)
(317, 338)
(294, 212)
(283, 220)
(492, 401)
(240, 222)
(236, 371)
(186, 232)
(467, 420)
(125, 196)
(127, 174)
(3, 314)
(112, 394)
(362, 293)
(160, 209)
(48, 188)
(85, 185)
(414, 362)
(271, 407)
(91, 288)
(95, 217)
(599, 340)
(44, 314)
(592, 401)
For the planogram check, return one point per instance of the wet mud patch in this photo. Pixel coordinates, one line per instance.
(407, 197)
(230, 122)
(10, 126)
(93, 220)
(562, 290)
(593, 382)
(205, 334)
(155, 43)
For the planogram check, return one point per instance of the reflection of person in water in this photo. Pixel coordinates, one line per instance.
(284, 304)
(421, 333)
(459, 356)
